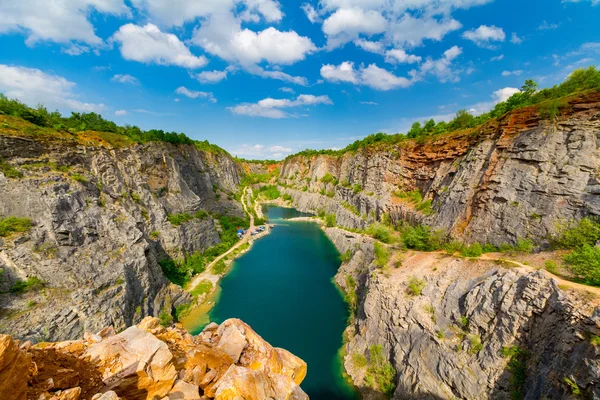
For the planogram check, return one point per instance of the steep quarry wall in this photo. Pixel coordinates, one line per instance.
(99, 228)
(454, 340)
(512, 178)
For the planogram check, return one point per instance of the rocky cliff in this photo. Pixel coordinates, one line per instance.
(100, 226)
(149, 362)
(476, 330)
(511, 178)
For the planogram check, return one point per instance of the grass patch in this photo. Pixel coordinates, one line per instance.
(219, 267)
(415, 286)
(166, 319)
(381, 232)
(359, 360)
(179, 219)
(357, 188)
(346, 256)
(11, 225)
(382, 255)
(270, 192)
(202, 288)
(517, 368)
(330, 220)
(79, 178)
(9, 171)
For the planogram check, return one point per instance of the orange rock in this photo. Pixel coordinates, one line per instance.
(14, 369)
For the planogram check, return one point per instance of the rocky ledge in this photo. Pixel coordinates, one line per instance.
(149, 362)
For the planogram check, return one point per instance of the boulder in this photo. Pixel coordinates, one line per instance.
(135, 364)
(14, 369)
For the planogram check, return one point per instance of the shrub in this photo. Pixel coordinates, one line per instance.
(382, 255)
(415, 286)
(357, 188)
(584, 263)
(517, 368)
(327, 178)
(380, 373)
(346, 256)
(79, 178)
(330, 220)
(270, 192)
(287, 197)
(359, 360)
(573, 386)
(380, 232)
(166, 319)
(573, 235)
(474, 250)
(9, 171)
(476, 345)
(178, 219)
(31, 284)
(14, 225)
(155, 235)
(421, 238)
(350, 208)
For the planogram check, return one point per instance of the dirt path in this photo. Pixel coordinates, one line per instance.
(560, 281)
(207, 275)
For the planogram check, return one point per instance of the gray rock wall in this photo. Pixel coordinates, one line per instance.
(100, 228)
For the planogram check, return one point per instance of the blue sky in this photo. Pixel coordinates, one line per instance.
(266, 78)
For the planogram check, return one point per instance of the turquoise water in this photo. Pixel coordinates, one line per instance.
(283, 289)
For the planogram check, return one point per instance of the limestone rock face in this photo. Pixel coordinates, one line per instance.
(455, 340)
(14, 369)
(149, 362)
(509, 179)
(101, 225)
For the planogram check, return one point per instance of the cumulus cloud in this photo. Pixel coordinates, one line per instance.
(341, 73)
(410, 31)
(401, 56)
(147, 44)
(33, 86)
(370, 46)
(273, 108)
(261, 151)
(498, 96)
(211, 76)
(311, 13)
(516, 39)
(125, 79)
(60, 21)
(192, 94)
(120, 113)
(347, 24)
(485, 35)
(381, 79)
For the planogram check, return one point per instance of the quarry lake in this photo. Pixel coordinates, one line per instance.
(283, 288)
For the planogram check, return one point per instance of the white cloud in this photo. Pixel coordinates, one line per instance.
(249, 48)
(410, 31)
(261, 151)
(60, 21)
(125, 79)
(485, 35)
(370, 46)
(504, 94)
(211, 76)
(497, 58)
(75, 49)
(516, 39)
(401, 56)
(272, 108)
(441, 68)
(498, 96)
(311, 13)
(120, 113)
(545, 26)
(192, 94)
(287, 90)
(515, 73)
(347, 24)
(281, 76)
(381, 79)
(594, 2)
(33, 86)
(177, 12)
(369, 103)
(147, 44)
(342, 73)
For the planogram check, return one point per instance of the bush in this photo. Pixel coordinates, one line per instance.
(382, 255)
(346, 256)
(380, 373)
(9, 171)
(421, 238)
(327, 178)
(14, 225)
(357, 188)
(270, 192)
(415, 286)
(166, 319)
(380, 232)
(330, 220)
(584, 263)
(359, 360)
(31, 284)
(474, 250)
(573, 235)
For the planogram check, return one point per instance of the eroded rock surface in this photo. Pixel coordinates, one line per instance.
(149, 362)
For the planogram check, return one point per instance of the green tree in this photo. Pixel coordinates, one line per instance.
(415, 130)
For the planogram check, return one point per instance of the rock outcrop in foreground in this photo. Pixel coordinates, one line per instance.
(149, 362)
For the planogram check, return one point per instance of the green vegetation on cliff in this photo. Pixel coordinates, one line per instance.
(81, 122)
(549, 103)
(14, 225)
